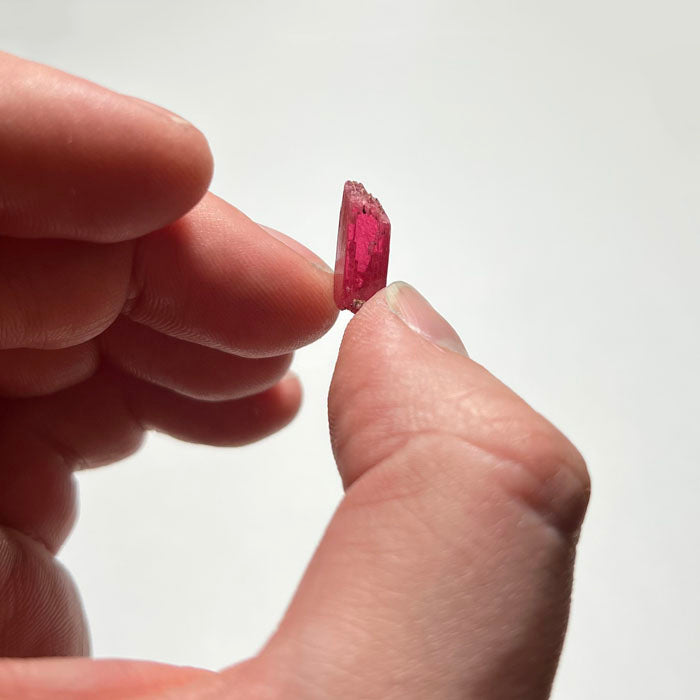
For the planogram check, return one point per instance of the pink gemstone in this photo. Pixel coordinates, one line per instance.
(362, 257)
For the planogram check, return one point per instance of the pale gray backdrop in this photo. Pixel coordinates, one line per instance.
(539, 161)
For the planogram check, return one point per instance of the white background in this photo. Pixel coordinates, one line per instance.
(539, 162)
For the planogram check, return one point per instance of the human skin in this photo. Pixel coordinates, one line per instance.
(130, 300)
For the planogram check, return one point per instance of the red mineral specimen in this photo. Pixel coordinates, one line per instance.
(362, 257)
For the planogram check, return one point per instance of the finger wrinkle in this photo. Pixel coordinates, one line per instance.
(69, 457)
(45, 615)
(133, 300)
(217, 279)
(408, 468)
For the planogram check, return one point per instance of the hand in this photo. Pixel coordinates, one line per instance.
(445, 572)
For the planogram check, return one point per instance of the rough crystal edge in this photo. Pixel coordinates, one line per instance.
(359, 196)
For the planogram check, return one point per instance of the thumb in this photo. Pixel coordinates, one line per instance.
(446, 571)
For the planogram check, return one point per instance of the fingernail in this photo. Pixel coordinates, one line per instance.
(415, 311)
(157, 109)
(297, 248)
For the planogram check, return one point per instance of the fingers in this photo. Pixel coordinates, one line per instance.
(187, 368)
(100, 421)
(225, 423)
(41, 613)
(446, 570)
(55, 294)
(82, 162)
(25, 373)
(218, 279)
(42, 440)
(213, 278)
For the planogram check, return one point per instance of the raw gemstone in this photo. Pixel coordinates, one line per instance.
(362, 256)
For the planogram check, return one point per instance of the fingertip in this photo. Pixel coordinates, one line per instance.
(217, 278)
(83, 162)
(189, 369)
(275, 408)
(312, 312)
(194, 168)
(192, 163)
(28, 372)
(175, 169)
(290, 393)
(223, 423)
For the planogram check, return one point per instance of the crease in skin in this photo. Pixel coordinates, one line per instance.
(9, 595)
(59, 294)
(530, 493)
(277, 300)
(48, 527)
(32, 373)
(18, 534)
(69, 457)
(529, 459)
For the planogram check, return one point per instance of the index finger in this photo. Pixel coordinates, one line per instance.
(79, 161)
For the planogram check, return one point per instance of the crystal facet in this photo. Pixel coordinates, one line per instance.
(362, 256)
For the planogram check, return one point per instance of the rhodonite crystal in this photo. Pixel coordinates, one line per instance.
(362, 256)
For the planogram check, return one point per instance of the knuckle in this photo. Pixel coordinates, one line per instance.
(545, 472)
(462, 439)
